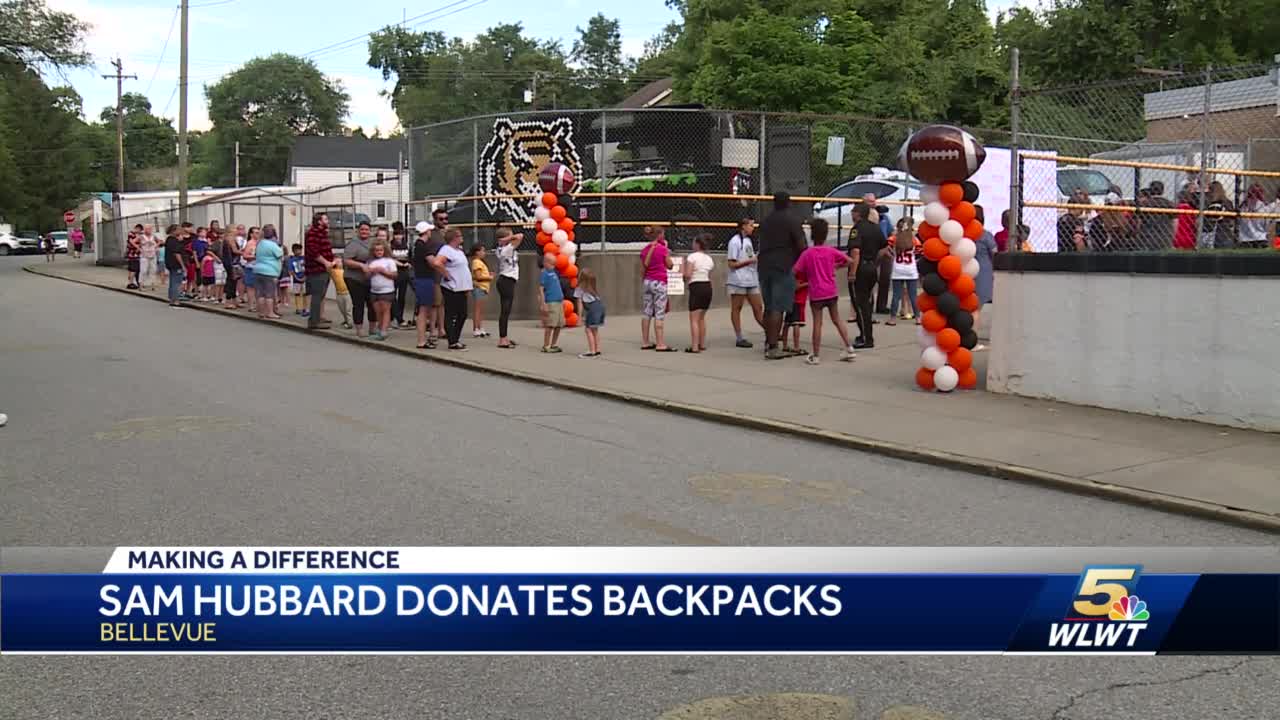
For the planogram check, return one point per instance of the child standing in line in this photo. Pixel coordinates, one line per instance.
(219, 270)
(342, 294)
(592, 310)
(794, 320)
(905, 273)
(283, 284)
(298, 273)
(551, 306)
(208, 276)
(817, 265)
(382, 287)
(480, 278)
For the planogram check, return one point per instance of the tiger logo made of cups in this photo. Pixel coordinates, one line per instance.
(510, 162)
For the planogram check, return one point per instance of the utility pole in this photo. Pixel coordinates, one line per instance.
(182, 116)
(237, 163)
(120, 77)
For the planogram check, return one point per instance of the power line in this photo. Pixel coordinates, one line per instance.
(172, 22)
(328, 49)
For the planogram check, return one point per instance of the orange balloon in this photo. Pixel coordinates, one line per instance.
(566, 225)
(558, 212)
(549, 200)
(568, 307)
(571, 272)
(935, 249)
(927, 231)
(950, 194)
(969, 379)
(562, 262)
(571, 320)
(933, 321)
(926, 302)
(963, 212)
(924, 378)
(970, 303)
(950, 267)
(960, 359)
(974, 229)
(543, 238)
(574, 283)
(948, 339)
(571, 236)
(962, 285)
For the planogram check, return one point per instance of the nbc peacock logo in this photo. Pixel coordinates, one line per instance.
(1105, 611)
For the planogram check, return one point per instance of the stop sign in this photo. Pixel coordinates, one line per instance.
(68, 217)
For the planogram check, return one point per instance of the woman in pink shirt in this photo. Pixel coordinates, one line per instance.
(817, 265)
(655, 261)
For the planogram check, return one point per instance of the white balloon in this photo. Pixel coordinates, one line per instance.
(935, 213)
(926, 338)
(933, 357)
(549, 225)
(569, 248)
(560, 237)
(972, 268)
(946, 378)
(541, 214)
(929, 193)
(965, 249)
(950, 231)
(573, 258)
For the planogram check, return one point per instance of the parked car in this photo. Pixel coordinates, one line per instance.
(1094, 183)
(886, 184)
(60, 240)
(9, 244)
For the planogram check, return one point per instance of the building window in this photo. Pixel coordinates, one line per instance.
(379, 178)
(382, 208)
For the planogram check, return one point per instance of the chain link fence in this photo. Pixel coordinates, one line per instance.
(1186, 161)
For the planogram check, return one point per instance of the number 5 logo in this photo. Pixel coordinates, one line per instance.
(1110, 582)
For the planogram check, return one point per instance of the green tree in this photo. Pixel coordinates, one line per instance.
(33, 35)
(601, 69)
(264, 105)
(149, 141)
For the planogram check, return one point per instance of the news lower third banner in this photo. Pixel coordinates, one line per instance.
(667, 600)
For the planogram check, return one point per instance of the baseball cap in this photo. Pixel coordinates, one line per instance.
(423, 227)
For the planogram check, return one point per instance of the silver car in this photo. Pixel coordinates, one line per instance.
(884, 183)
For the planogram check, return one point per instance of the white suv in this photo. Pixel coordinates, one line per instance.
(9, 244)
(884, 183)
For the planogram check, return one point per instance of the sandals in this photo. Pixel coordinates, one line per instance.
(692, 351)
(648, 347)
(665, 349)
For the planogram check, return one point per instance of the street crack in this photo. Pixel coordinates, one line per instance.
(1059, 714)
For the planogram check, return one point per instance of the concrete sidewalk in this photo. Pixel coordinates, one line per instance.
(872, 404)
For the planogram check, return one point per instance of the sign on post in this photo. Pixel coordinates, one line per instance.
(69, 217)
(675, 277)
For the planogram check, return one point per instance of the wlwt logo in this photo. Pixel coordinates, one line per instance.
(1105, 612)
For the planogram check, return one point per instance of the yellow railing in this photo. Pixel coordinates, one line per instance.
(1148, 166)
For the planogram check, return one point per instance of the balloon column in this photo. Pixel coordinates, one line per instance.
(555, 228)
(946, 157)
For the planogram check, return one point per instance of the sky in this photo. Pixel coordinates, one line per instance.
(224, 34)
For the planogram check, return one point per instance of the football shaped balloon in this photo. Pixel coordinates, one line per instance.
(941, 153)
(556, 178)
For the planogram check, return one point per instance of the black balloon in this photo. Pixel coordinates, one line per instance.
(970, 190)
(926, 267)
(934, 284)
(961, 320)
(948, 304)
(969, 338)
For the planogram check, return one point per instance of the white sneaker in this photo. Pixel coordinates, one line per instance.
(813, 360)
(4, 419)
(478, 333)
(848, 355)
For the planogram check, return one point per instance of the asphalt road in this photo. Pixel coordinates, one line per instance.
(131, 423)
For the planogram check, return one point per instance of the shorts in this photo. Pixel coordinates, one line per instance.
(284, 282)
(820, 305)
(653, 300)
(206, 280)
(555, 315)
(249, 278)
(744, 290)
(237, 272)
(266, 287)
(594, 313)
(423, 288)
(382, 297)
(219, 275)
(778, 289)
(135, 265)
(299, 287)
(795, 316)
(479, 294)
(699, 296)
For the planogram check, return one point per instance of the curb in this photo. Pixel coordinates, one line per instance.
(1005, 471)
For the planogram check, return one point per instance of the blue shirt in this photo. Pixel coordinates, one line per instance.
(297, 268)
(551, 290)
(886, 225)
(199, 247)
(268, 258)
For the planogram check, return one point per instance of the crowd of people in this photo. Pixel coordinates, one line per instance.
(787, 279)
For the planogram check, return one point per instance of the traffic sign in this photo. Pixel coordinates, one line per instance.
(69, 217)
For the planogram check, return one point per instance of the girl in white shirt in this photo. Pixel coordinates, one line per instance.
(697, 273)
(905, 273)
(382, 271)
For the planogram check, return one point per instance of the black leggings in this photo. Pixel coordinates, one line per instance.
(864, 287)
(506, 297)
(402, 294)
(455, 314)
(229, 288)
(359, 301)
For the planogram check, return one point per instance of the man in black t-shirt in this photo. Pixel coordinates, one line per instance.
(867, 244)
(781, 242)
